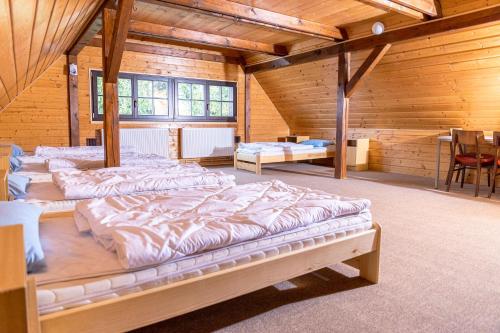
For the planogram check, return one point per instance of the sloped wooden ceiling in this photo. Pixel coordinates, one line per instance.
(33, 34)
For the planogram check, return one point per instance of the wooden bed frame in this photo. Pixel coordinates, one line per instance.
(18, 303)
(254, 162)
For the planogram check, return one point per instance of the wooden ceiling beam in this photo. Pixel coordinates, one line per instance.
(427, 7)
(247, 14)
(391, 6)
(91, 29)
(450, 23)
(197, 37)
(366, 68)
(117, 42)
(172, 52)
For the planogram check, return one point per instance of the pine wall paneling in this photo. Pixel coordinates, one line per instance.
(420, 89)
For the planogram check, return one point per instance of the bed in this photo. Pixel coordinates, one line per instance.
(252, 156)
(65, 187)
(114, 300)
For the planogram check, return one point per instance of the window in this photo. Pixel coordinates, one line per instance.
(155, 98)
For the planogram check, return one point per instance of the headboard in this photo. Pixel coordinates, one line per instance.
(4, 172)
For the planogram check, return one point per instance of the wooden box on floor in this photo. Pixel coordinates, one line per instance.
(357, 154)
(18, 295)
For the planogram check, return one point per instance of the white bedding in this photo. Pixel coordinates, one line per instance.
(146, 230)
(76, 184)
(55, 152)
(96, 161)
(255, 147)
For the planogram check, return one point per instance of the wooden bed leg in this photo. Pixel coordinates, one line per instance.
(369, 263)
(258, 165)
(235, 160)
(32, 307)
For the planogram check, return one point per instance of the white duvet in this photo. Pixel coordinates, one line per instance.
(150, 229)
(96, 161)
(76, 184)
(54, 152)
(275, 147)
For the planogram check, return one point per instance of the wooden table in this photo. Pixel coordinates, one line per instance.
(447, 138)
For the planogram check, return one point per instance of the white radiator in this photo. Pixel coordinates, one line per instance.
(207, 142)
(146, 140)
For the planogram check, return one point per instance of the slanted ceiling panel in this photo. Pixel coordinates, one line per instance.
(34, 33)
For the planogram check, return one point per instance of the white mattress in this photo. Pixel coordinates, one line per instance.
(82, 272)
(242, 153)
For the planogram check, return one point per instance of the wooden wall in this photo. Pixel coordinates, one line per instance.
(133, 62)
(39, 116)
(267, 124)
(420, 89)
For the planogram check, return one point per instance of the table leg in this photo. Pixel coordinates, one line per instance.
(438, 164)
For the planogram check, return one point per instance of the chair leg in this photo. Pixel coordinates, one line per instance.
(458, 175)
(489, 177)
(478, 181)
(493, 183)
(449, 177)
(462, 178)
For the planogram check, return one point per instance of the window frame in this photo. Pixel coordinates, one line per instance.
(173, 98)
(235, 100)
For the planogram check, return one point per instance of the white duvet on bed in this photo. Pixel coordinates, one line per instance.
(275, 147)
(96, 161)
(150, 229)
(76, 184)
(47, 152)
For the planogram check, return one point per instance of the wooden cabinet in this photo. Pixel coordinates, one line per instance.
(357, 154)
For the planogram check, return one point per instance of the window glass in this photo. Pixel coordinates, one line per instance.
(221, 101)
(191, 99)
(125, 96)
(152, 97)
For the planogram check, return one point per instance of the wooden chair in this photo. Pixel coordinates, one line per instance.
(496, 164)
(473, 159)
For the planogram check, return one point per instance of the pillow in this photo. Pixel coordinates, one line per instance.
(28, 215)
(17, 151)
(15, 164)
(18, 186)
(318, 142)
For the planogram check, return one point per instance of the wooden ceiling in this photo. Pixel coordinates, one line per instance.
(34, 34)
(38, 32)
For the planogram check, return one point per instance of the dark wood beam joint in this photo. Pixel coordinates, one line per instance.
(366, 68)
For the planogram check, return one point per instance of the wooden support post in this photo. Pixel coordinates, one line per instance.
(248, 107)
(344, 65)
(114, 35)
(74, 120)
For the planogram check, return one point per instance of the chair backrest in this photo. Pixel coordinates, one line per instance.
(496, 139)
(468, 138)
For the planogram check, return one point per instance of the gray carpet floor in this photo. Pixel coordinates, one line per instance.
(440, 266)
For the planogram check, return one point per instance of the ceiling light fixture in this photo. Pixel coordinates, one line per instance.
(378, 28)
